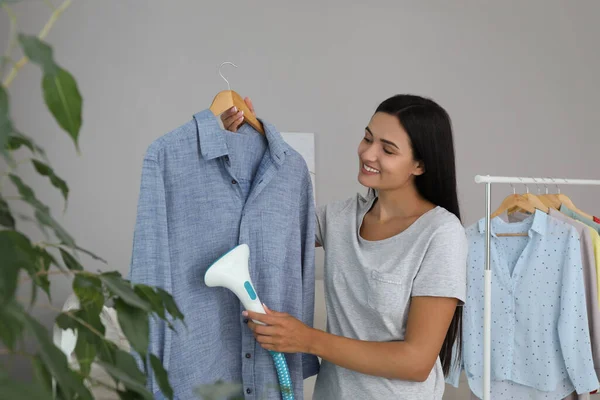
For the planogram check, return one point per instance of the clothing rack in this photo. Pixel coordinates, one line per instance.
(487, 294)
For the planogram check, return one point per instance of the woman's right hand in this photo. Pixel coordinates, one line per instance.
(233, 118)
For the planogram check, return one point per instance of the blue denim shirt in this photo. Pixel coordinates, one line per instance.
(197, 201)
(540, 337)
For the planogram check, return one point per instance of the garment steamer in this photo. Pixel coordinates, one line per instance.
(231, 272)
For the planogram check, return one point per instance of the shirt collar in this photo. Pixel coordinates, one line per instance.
(538, 224)
(213, 144)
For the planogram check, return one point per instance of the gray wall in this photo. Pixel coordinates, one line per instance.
(519, 79)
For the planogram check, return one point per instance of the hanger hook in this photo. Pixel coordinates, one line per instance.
(526, 187)
(536, 185)
(513, 187)
(556, 184)
(545, 185)
(220, 73)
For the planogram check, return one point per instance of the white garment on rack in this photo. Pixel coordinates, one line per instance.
(540, 338)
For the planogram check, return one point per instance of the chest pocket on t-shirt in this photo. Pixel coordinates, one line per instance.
(385, 292)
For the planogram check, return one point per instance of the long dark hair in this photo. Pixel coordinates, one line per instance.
(429, 128)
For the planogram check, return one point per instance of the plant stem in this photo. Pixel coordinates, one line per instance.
(82, 322)
(43, 33)
(47, 273)
(12, 38)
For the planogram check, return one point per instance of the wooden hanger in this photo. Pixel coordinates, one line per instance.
(557, 199)
(516, 202)
(534, 200)
(226, 99)
(550, 199)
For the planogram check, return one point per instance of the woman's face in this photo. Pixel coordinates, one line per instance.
(385, 155)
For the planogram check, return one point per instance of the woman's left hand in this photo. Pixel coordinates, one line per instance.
(283, 333)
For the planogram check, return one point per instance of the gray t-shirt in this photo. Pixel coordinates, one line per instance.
(369, 284)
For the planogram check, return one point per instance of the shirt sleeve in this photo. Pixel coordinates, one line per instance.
(573, 331)
(150, 262)
(321, 223)
(444, 267)
(310, 363)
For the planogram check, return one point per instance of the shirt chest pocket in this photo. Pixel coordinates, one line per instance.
(385, 292)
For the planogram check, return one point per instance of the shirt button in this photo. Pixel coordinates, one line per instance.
(233, 182)
(245, 320)
(248, 355)
(248, 390)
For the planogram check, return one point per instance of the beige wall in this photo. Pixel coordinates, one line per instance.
(519, 78)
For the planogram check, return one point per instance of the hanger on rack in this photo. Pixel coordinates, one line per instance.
(534, 201)
(226, 99)
(512, 202)
(549, 199)
(569, 204)
(515, 202)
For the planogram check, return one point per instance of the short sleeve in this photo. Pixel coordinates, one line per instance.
(321, 224)
(443, 271)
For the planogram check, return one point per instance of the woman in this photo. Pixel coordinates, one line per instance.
(395, 264)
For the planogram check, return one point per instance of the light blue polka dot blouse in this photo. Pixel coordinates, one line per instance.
(540, 338)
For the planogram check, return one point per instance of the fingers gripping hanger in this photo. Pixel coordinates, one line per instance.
(226, 99)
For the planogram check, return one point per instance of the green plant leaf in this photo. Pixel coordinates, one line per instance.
(87, 340)
(129, 395)
(134, 323)
(43, 228)
(64, 321)
(13, 389)
(89, 253)
(11, 327)
(70, 261)
(86, 353)
(56, 362)
(39, 274)
(16, 140)
(88, 289)
(126, 371)
(9, 1)
(6, 218)
(90, 314)
(122, 288)
(41, 373)
(6, 126)
(45, 170)
(17, 253)
(107, 352)
(170, 304)
(60, 88)
(42, 212)
(161, 376)
(64, 101)
(44, 217)
(149, 294)
(38, 52)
